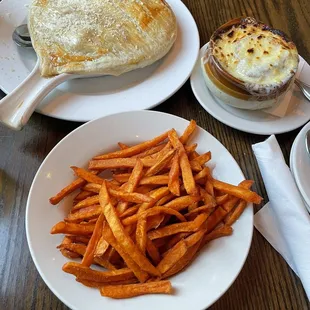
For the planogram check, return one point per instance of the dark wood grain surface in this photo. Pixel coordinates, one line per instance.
(265, 282)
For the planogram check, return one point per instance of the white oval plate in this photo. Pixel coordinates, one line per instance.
(300, 165)
(87, 99)
(256, 122)
(200, 285)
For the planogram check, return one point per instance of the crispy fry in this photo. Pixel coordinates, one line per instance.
(188, 131)
(217, 233)
(89, 201)
(202, 174)
(165, 199)
(86, 175)
(181, 203)
(141, 236)
(202, 159)
(131, 211)
(174, 182)
(90, 249)
(232, 217)
(209, 188)
(173, 255)
(122, 146)
(115, 163)
(65, 251)
(160, 164)
(87, 213)
(152, 151)
(132, 184)
(206, 209)
(72, 228)
(221, 199)
(86, 273)
(132, 290)
(100, 284)
(82, 195)
(109, 237)
(123, 238)
(153, 180)
(133, 150)
(215, 218)
(101, 247)
(154, 221)
(78, 239)
(190, 148)
(183, 262)
(237, 191)
(187, 174)
(170, 230)
(78, 183)
(152, 251)
(176, 238)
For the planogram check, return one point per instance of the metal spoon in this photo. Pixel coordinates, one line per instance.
(21, 36)
(308, 141)
(305, 88)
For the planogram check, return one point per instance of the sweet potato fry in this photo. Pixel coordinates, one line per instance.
(151, 151)
(101, 247)
(132, 290)
(73, 229)
(86, 175)
(175, 239)
(202, 174)
(78, 239)
(122, 236)
(82, 195)
(115, 163)
(217, 233)
(153, 180)
(154, 221)
(187, 174)
(78, 183)
(202, 159)
(130, 211)
(133, 150)
(237, 191)
(221, 199)
(172, 256)
(216, 217)
(232, 217)
(170, 230)
(209, 188)
(130, 197)
(162, 201)
(161, 163)
(181, 203)
(174, 182)
(65, 251)
(109, 237)
(190, 148)
(183, 262)
(152, 251)
(87, 213)
(206, 209)
(86, 273)
(122, 146)
(188, 131)
(141, 236)
(89, 201)
(90, 249)
(100, 284)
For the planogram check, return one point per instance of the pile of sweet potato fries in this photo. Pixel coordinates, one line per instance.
(150, 219)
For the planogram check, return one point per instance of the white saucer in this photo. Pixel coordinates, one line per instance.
(300, 165)
(87, 99)
(256, 122)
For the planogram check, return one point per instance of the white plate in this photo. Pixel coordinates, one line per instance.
(198, 286)
(87, 99)
(300, 165)
(249, 121)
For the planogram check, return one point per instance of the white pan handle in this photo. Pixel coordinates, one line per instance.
(17, 107)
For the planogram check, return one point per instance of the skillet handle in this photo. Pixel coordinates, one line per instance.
(17, 107)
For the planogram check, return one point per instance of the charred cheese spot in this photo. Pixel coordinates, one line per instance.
(258, 56)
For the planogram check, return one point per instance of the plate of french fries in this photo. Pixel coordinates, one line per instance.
(140, 210)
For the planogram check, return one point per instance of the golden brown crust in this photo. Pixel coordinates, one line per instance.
(100, 36)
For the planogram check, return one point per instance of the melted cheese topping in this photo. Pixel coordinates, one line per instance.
(260, 58)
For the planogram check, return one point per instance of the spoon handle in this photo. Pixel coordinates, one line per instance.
(17, 107)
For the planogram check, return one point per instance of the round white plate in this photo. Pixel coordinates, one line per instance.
(256, 122)
(87, 99)
(200, 285)
(300, 165)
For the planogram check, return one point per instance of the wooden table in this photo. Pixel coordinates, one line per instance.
(265, 282)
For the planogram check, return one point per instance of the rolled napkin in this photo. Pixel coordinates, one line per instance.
(284, 221)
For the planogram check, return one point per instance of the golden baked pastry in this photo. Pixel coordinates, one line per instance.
(107, 37)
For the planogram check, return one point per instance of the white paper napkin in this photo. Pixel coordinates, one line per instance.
(282, 105)
(284, 221)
